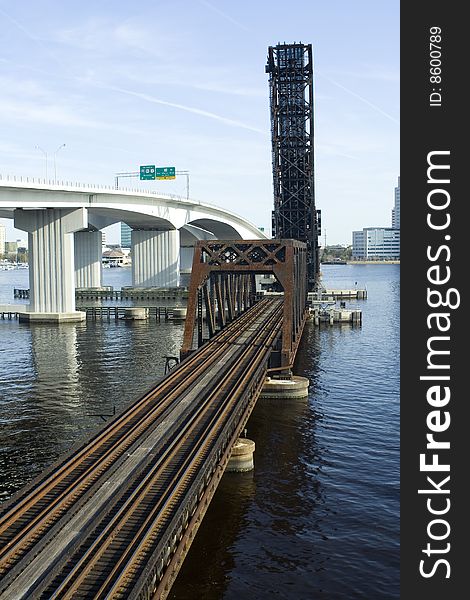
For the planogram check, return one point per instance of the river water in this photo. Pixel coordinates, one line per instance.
(319, 515)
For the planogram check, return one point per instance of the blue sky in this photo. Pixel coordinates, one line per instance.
(182, 84)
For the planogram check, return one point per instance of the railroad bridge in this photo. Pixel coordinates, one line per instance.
(116, 516)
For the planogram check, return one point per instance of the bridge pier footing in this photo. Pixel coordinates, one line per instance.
(241, 458)
(288, 389)
(50, 317)
(51, 262)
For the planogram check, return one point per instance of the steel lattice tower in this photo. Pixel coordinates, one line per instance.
(290, 68)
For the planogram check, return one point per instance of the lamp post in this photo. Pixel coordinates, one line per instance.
(45, 154)
(55, 165)
(187, 181)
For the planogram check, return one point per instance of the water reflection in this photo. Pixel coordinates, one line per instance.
(59, 378)
(224, 524)
(55, 346)
(43, 404)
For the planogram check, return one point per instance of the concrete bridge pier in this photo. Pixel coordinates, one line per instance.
(51, 262)
(186, 258)
(186, 263)
(88, 251)
(293, 388)
(155, 258)
(241, 457)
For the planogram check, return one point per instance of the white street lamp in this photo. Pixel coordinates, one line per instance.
(45, 154)
(187, 181)
(55, 165)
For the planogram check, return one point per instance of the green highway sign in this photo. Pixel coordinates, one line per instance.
(165, 173)
(147, 172)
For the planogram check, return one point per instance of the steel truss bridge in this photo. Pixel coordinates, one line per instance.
(290, 69)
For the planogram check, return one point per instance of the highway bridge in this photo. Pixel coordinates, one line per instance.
(64, 222)
(117, 515)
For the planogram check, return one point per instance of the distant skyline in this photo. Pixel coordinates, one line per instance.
(183, 84)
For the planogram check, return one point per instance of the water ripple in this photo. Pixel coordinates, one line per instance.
(319, 515)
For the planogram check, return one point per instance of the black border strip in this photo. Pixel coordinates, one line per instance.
(433, 124)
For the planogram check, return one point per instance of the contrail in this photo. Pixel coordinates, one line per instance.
(224, 15)
(378, 109)
(190, 109)
(30, 36)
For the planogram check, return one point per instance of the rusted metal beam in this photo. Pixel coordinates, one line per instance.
(226, 270)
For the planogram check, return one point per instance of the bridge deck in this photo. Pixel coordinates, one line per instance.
(111, 518)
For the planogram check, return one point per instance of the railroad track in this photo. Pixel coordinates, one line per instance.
(157, 446)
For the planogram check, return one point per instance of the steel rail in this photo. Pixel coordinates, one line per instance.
(238, 349)
(213, 451)
(157, 576)
(101, 465)
(114, 424)
(242, 374)
(133, 503)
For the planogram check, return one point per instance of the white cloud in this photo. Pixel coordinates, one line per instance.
(105, 38)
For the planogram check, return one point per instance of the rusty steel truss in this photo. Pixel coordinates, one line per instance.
(290, 68)
(223, 285)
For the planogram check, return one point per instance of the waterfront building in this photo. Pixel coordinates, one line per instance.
(379, 243)
(125, 236)
(2, 239)
(396, 208)
(11, 247)
(376, 243)
(113, 258)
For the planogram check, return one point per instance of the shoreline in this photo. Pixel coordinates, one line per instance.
(367, 262)
(373, 262)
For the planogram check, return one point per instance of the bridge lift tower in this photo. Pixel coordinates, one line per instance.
(290, 68)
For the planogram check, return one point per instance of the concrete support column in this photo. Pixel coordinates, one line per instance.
(186, 258)
(88, 251)
(186, 264)
(295, 388)
(241, 457)
(51, 261)
(155, 258)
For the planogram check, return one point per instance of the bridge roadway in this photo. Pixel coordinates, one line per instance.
(116, 516)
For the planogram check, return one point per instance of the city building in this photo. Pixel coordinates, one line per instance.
(113, 258)
(11, 247)
(22, 243)
(396, 208)
(2, 239)
(379, 243)
(125, 235)
(376, 243)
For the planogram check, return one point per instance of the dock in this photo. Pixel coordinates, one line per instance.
(131, 293)
(344, 294)
(8, 313)
(126, 293)
(157, 313)
(329, 314)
